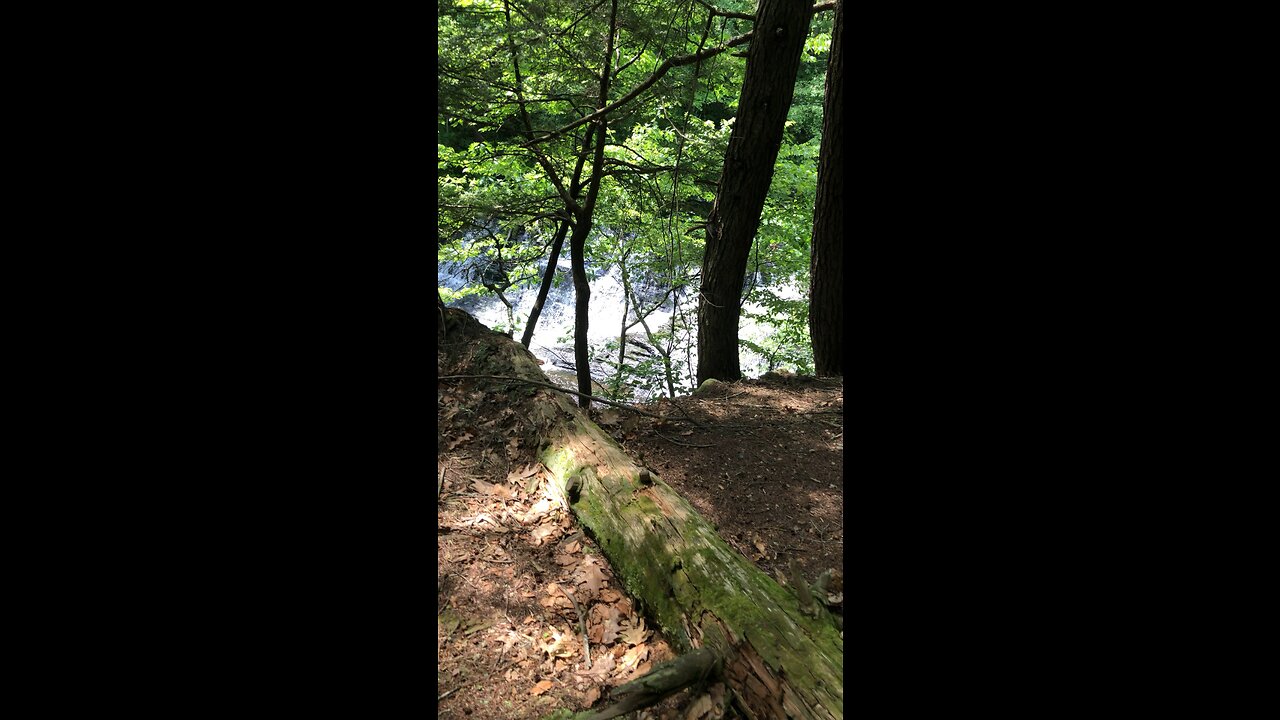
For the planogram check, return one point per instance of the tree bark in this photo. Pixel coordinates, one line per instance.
(826, 260)
(773, 61)
(578, 241)
(557, 242)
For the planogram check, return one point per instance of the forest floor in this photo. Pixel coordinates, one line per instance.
(518, 582)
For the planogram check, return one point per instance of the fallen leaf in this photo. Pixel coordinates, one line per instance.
(635, 635)
(610, 595)
(611, 627)
(592, 574)
(573, 547)
(492, 489)
(609, 417)
(511, 639)
(593, 694)
(600, 668)
(461, 439)
(557, 645)
(541, 687)
(699, 709)
(634, 656)
(515, 476)
(539, 509)
(541, 533)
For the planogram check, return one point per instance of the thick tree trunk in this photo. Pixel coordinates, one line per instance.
(773, 60)
(720, 612)
(826, 261)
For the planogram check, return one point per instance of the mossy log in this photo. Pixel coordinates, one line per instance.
(702, 593)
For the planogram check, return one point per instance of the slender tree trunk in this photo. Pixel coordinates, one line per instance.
(557, 242)
(826, 261)
(581, 308)
(578, 241)
(773, 61)
(664, 353)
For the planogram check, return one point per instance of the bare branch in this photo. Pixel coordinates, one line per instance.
(725, 13)
(666, 66)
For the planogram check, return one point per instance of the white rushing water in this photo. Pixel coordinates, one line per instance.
(552, 341)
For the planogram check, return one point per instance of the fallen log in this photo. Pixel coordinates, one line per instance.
(779, 661)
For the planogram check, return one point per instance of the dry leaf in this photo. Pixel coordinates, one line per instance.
(515, 476)
(700, 708)
(461, 439)
(539, 509)
(556, 646)
(573, 547)
(611, 628)
(610, 595)
(593, 694)
(634, 656)
(542, 532)
(600, 668)
(592, 575)
(609, 417)
(501, 491)
(540, 688)
(565, 560)
(635, 635)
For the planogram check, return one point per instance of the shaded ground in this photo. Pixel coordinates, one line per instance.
(524, 597)
(764, 463)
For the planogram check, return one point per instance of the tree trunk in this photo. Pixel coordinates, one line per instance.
(578, 241)
(581, 307)
(826, 261)
(716, 608)
(557, 243)
(773, 60)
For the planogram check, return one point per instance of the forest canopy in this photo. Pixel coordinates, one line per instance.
(604, 126)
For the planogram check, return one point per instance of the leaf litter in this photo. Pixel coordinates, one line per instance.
(772, 512)
(511, 645)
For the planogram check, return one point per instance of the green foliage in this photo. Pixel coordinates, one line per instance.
(788, 346)
(498, 208)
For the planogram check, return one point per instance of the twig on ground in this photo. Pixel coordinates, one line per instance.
(686, 414)
(582, 623)
(677, 442)
(452, 691)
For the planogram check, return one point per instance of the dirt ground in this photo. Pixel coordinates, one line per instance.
(524, 598)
